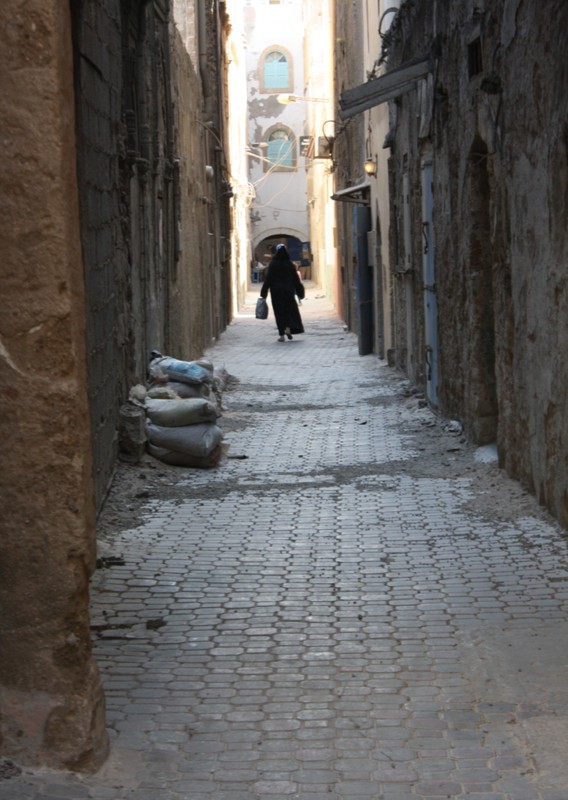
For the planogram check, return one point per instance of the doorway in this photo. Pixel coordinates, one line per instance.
(431, 355)
(363, 278)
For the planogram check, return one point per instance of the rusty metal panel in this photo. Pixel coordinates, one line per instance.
(387, 87)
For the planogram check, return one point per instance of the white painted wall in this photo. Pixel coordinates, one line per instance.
(238, 159)
(377, 127)
(280, 203)
(318, 16)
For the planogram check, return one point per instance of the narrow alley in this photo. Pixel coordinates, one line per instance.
(355, 604)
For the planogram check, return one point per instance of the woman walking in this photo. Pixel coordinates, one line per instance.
(283, 282)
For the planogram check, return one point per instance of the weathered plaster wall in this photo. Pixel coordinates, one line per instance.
(236, 96)
(281, 199)
(505, 256)
(185, 20)
(407, 247)
(200, 279)
(319, 82)
(379, 16)
(500, 141)
(51, 702)
(125, 171)
(154, 227)
(96, 273)
(192, 319)
(349, 146)
(534, 185)
(98, 90)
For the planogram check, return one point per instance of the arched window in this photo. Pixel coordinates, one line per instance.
(275, 70)
(281, 149)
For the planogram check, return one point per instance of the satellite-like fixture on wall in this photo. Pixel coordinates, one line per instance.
(325, 146)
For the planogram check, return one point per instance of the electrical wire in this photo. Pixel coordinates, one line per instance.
(267, 204)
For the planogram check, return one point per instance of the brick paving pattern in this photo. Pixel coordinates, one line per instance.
(328, 618)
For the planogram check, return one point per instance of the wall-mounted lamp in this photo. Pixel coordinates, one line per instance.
(370, 166)
(286, 99)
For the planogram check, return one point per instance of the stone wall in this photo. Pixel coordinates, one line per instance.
(200, 304)
(51, 703)
(95, 267)
(153, 221)
(128, 218)
(499, 141)
(529, 228)
(98, 81)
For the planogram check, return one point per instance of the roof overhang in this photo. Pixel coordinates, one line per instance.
(387, 87)
(354, 194)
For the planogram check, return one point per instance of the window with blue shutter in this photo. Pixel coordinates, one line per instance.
(276, 71)
(280, 150)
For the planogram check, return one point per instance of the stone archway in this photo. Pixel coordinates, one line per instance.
(294, 241)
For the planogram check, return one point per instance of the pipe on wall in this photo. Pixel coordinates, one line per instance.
(202, 49)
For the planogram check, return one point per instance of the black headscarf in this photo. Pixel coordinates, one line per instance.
(280, 253)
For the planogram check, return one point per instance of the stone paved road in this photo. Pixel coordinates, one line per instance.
(357, 609)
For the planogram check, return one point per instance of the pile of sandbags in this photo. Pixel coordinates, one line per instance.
(181, 378)
(182, 408)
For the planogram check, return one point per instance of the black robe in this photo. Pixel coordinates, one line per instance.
(284, 284)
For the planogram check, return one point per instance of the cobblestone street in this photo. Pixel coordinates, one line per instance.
(356, 604)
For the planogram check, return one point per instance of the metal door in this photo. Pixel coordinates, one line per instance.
(363, 278)
(429, 280)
